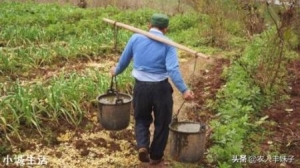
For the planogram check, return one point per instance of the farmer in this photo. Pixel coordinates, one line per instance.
(153, 63)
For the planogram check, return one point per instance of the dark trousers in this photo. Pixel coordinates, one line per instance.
(156, 97)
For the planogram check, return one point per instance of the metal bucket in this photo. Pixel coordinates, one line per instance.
(187, 141)
(114, 113)
(114, 109)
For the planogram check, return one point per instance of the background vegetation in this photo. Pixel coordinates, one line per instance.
(258, 38)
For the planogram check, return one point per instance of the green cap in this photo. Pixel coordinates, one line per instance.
(160, 20)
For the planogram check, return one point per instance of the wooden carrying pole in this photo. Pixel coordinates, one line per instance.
(157, 38)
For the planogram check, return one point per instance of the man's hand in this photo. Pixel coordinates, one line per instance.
(188, 95)
(113, 71)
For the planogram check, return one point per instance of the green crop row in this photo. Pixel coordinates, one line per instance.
(35, 55)
(66, 96)
(34, 35)
(42, 34)
(240, 101)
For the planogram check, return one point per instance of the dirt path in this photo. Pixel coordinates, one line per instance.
(187, 69)
(190, 73)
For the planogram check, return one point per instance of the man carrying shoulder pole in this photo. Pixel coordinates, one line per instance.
(153, 63)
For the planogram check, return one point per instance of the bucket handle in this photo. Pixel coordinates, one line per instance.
(112, 90)
(175, 119)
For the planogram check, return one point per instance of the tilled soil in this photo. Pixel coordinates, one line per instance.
(283, 122)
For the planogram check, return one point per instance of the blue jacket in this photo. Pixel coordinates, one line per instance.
(151, 59)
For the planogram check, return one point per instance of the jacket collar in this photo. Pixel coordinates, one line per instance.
(154, 30)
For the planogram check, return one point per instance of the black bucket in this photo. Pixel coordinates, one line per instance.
(114, 110)
(187, 141)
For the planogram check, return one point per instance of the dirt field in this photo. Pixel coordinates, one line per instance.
(89, 145)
